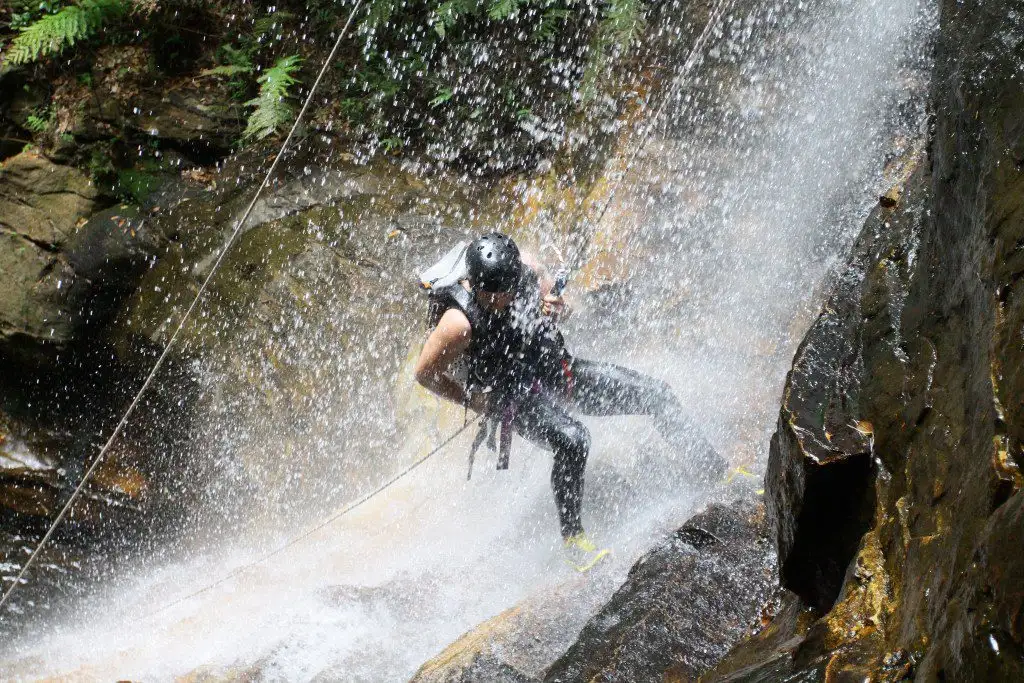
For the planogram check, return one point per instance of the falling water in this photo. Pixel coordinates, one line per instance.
(725, 231)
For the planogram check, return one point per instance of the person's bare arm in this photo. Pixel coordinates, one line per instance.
(447, 342)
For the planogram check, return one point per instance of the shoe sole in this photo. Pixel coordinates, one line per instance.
(587, 566)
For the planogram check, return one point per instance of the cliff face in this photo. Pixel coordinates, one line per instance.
(894, 483)
(680, 609)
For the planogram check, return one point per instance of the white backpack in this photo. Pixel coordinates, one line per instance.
(449, 270)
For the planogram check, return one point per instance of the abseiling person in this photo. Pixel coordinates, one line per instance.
(495, 348)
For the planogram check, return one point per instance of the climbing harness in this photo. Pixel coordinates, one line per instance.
(181, 323)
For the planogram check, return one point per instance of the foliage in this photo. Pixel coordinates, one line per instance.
(272, 107)
(623, 20)
(50, 34)
(547, 28)
(25, 12)
(448, 13)
(38, 122)
(227, 70)
(503, 9)
(471, 78)
(443, 96)
(478, 79)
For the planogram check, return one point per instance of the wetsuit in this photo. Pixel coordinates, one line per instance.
(519, 357)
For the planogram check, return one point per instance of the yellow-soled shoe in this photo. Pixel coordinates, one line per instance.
(581, 553)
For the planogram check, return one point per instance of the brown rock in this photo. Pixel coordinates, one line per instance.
(683, 605)
(42, 202)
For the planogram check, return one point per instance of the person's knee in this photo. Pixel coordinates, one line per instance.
(662, 400)
(578, 440)
(573, 442)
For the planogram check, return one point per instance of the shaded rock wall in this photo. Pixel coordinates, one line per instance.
(683, 605)
(41, 204)
(894, 481)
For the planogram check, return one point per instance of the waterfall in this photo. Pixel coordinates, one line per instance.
(723, 235)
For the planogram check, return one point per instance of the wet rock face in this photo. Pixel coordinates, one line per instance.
(683, 606)
(913, 370)
(41, 204)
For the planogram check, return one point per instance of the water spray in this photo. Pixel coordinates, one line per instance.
(561, 281)
(181, 323)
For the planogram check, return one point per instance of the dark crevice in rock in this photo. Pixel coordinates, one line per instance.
(838, 509)
(48, 247)
(206, 152)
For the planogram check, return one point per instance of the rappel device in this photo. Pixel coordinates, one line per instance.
(561, 282)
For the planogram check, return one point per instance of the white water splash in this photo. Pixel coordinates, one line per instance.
(741, 220)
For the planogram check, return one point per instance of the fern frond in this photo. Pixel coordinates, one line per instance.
(448, 12)
(37, 124)
(226, 70)
(54, 32)
(623, 21)
(549, 21)
(379, 13)
(503, 9)
(272, 108)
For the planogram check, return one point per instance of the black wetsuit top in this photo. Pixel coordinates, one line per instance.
(510, 349)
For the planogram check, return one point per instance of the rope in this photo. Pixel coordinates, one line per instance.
(577, 259)
(181, 323)
(327, 522)
(687, 65)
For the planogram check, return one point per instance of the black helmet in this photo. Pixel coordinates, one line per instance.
(493, 263)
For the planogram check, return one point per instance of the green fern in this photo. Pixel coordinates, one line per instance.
(54, 32)
(380, 13)
(623, 21)
(227, 70)
(547, 28)
(448, 12)
(37, 124)
(272, 106)
(503, 9)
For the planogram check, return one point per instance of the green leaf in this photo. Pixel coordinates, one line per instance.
(272, 108)
(53, 33)
(391, 144)
(442, 97)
